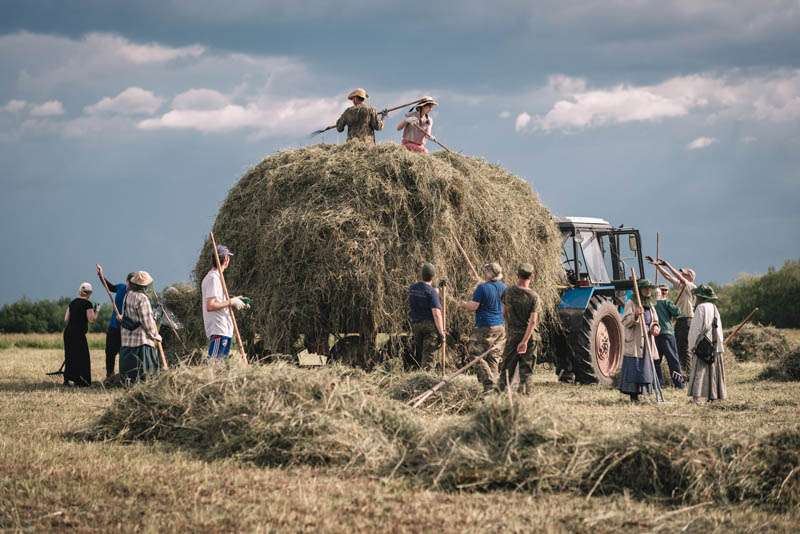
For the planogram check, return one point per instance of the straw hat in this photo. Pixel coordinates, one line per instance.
(425, 101)
(358, 92)
(685, 271)
(142, 278)
(85, 288)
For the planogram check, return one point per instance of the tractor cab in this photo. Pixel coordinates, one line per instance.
(596, 254)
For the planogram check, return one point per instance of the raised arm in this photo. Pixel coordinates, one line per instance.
(663, 271)
(678, 276)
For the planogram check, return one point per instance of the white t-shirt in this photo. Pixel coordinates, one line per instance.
(217, 322)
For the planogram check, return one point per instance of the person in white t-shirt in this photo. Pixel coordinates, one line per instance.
(683, 282)
(216, 308)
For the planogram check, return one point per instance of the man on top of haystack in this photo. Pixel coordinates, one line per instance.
(361, 120)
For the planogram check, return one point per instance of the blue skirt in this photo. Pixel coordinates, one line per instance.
(636, 375)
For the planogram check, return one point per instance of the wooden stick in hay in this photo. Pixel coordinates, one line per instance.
(736, 330)
(416, 401)
(657, 256)
(443, 286)
(463, 253)
(650, 342)
(227, 297)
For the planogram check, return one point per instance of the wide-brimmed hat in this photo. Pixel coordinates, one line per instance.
(686, 270)
(358, 92)
(704, 292)
(494, 270)
(85, 288)
(644, 283)
(142, 278)
(425, 101)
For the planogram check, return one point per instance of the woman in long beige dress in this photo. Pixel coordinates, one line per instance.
(707, 379)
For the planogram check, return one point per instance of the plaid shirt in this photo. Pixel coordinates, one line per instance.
(137, 307)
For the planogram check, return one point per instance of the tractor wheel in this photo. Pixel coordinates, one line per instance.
(597, 343)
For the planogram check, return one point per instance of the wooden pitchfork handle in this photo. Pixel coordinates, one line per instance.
(227, 297)
(463, 253)
(387, 110)
(108, 292)
(736, 330)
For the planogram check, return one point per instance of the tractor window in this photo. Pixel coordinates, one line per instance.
(594, 257)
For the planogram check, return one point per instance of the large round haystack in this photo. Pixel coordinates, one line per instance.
(328, 238)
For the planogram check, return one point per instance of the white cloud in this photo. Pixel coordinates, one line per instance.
(14, 105)
(700, 143)
(504, 114)
(48, 109)
(522, 121)
(200, 99)
(131, 101)
(267, 115)
(141, 53)
(772, 97)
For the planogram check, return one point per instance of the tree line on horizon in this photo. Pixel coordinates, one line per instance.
(776, 294)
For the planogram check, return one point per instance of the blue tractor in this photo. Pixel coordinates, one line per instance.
(597, 262)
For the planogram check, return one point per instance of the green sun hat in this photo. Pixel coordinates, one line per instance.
(644, 283)
(704, 292)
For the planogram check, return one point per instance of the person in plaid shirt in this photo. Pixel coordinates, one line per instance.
(137, 356)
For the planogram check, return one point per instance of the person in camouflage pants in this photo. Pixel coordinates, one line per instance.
(489, 332)
(521, 312)
(361, 120)
(426, 318)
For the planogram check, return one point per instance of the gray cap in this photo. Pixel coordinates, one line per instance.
(494, 270)
(223, 251)
(428, 271)
(525, 270)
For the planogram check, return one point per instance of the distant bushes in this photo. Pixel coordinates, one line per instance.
(43, 316)
(776, 294)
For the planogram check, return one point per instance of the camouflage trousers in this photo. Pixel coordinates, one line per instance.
(517, 368)
(481, 340)
(426, 342)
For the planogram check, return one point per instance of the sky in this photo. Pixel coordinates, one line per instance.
(124, 124)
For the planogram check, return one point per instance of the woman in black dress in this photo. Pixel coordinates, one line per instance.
(81, 312)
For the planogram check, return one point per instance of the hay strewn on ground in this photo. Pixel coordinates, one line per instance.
(328, 238)
(758, 343)
(345, 420)
(786, 368)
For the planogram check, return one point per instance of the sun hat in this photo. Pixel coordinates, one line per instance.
(85, 288)
(704, 292)
(525, 270)
(685, 270)
(644, 283)
(494, 270)
(425, 101)
(358, 92)
(142, 278)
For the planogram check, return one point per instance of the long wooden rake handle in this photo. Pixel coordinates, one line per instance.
(108, 292)
(227, 297)
(649, 340)
(429, 136)
(463, 253)
(331, 127)
(736, 330)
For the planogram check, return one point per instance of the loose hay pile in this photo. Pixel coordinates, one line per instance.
(786, 368)
(328, 238)
(343, 420)
(758, 343)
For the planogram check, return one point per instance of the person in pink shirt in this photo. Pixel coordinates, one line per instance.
(417, 125)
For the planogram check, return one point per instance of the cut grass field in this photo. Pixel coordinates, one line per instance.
(55, 483)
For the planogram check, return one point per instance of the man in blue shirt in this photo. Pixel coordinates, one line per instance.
(426, 318)
(489, 331)
(113, 334)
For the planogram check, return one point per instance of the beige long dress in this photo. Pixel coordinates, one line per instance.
(707, 380)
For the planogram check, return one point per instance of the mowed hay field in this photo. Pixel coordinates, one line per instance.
(52, 482)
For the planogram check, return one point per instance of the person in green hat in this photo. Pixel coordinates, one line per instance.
(521, 314)
(636, 375)
(707, 377)
(361, 120)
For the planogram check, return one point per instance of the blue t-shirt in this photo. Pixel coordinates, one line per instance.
(119, 297)
(421, 298)
(490, 310)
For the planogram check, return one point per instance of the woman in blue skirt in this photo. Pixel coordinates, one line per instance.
(636, 376)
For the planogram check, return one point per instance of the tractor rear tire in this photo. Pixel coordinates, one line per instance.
(597, 343)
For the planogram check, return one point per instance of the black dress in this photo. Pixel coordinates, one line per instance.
(77, 367)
